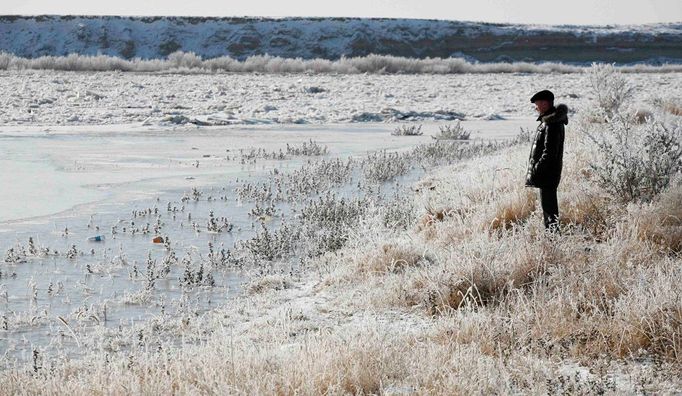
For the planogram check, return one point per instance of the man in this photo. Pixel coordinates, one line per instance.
(546, 156)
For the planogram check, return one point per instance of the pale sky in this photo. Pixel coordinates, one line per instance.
(582, 12)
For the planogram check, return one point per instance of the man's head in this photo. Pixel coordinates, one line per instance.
(543, 100)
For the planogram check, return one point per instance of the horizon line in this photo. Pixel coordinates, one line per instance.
(338, 17)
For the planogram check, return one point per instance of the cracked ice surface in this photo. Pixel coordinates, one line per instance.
(49, 98)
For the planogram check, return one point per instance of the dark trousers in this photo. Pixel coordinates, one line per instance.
(550, 208)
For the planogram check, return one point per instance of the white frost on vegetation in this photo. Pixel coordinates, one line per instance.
(189, 62)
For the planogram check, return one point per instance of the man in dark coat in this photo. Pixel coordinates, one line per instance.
(546, 155)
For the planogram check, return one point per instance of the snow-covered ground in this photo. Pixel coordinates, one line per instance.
(49, 98)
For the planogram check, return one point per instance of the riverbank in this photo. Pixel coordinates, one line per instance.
(472, 297)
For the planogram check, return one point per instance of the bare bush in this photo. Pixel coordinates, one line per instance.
(407, 130)
(636, 162)
(634, 157)
(452, 132)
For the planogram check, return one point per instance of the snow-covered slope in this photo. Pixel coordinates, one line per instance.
(331, 38)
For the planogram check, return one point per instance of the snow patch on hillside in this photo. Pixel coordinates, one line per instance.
(333, 38)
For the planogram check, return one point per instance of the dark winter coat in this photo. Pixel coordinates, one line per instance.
(547, 152)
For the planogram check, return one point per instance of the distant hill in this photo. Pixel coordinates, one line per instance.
(332, 38)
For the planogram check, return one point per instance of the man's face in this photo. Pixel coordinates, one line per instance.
(542, 106)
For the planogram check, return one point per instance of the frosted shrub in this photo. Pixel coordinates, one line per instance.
(328, 239)
(267, 210)
(273, 64)
(253, 154)
(408, 130)
(330, 209)
(259, 192)
(399, 213)
(189, 60)
(635, 159)
(152, 273)
(15, 256)
(453, 132)
(309, 149)
(382, 166)
(195, 274)
(326, 222)
(269, 245)
(636, 162)
(663, 145)
(444, 152)
(314, 177)
(215, 224)
(5, 60)
(610, 88)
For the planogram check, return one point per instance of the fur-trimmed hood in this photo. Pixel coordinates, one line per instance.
(559, 115)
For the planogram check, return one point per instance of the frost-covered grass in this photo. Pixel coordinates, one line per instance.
(189, 62)
(469, 295)
(455, 305)
(364, 286)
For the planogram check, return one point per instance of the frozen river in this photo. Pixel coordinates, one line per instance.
(51, 172)
(63, 186)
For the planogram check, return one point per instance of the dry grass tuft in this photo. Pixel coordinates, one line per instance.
(514, 210)
(532, 261)
(661, 222)
(451, 292)
(477, 280)
(672, 107)
(268, 282)
(432, 216)
(389, 258)
(641, 116)
(586, 210)
(427, 224)
(657, 334)
(661, 332)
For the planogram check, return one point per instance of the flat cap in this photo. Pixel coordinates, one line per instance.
(543, 95)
